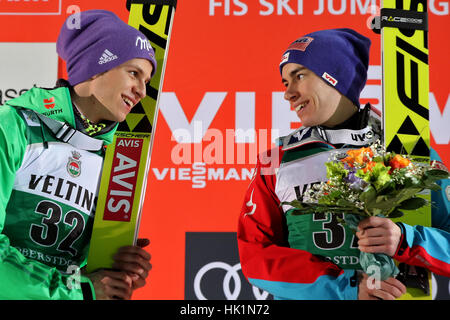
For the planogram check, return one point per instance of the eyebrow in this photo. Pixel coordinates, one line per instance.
(140, 71)
(293, 72)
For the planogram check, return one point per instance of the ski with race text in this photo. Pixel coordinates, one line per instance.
(406, 129)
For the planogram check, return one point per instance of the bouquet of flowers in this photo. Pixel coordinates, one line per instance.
(371, 182)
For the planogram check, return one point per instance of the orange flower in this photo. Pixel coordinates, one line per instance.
(398, 162)
(369, 166)
(358, 155)
(349, 161)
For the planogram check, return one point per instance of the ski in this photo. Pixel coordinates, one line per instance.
(406, 130)
(127, 160)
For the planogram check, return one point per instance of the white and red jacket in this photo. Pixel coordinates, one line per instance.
(324, 266)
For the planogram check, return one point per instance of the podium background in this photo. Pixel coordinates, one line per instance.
(221, 75)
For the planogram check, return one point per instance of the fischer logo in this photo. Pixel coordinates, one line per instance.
(330, 79)
(106, 57)
(122, 183)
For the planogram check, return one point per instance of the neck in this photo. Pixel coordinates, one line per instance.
(86, 103)
(344, 111)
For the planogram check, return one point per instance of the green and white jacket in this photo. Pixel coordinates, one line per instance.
(48, 191)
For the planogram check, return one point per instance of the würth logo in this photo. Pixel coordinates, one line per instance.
(330, 79)
(49, 103)
(106, 57)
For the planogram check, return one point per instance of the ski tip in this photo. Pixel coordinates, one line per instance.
(172, 3)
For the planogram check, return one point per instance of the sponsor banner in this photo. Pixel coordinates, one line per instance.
(30, 7)
(213, 270)
(70, 183)
(24, 65)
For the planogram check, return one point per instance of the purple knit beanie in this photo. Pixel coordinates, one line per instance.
(339, 56)
(102, 41)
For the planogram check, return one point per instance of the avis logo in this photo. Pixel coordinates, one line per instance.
(123, 180)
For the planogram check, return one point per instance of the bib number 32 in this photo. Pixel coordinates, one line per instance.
(47, 232)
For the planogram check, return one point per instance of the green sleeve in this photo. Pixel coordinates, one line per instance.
(22, 278)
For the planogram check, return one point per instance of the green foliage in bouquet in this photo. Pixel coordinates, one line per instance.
(370, 182)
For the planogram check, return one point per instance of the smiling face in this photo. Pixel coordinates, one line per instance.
(313, 100)
(118, 90)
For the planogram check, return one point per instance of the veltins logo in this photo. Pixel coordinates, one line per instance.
(213, 271)
(28, 7)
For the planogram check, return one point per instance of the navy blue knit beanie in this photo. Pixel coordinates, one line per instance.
(339, 56)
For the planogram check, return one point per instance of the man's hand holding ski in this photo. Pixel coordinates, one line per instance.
(130, 271)
(135, 261)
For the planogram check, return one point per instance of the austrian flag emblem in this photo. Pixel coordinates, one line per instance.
(74, 164)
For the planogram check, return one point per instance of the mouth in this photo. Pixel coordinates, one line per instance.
(128, 102)
(301, 106)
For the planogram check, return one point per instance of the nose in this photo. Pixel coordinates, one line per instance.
(291, 94)
(140, 89)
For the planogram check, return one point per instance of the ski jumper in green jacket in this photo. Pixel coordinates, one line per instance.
(51, 156)
(47, 199)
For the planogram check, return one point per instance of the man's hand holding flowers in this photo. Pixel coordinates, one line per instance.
(378, 235)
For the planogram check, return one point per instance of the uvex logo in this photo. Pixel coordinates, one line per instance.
(330, 79)
(49, 103)
(362, 136)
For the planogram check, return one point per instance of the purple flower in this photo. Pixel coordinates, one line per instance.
(355, 182)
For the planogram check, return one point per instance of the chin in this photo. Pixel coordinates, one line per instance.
(120, 119)
(307, 123)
